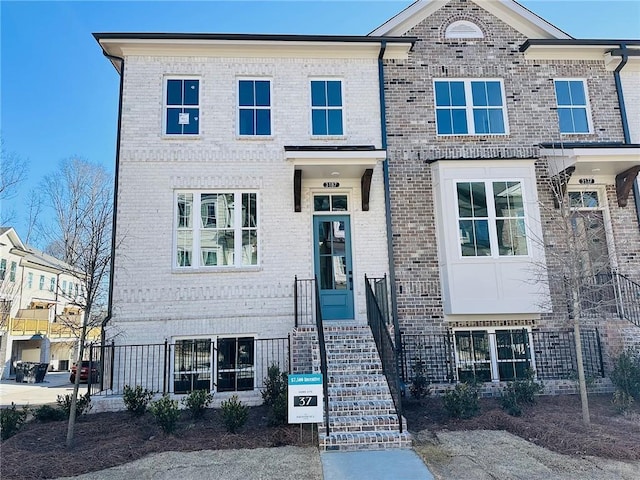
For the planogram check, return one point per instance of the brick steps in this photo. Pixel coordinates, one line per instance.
(362, 415)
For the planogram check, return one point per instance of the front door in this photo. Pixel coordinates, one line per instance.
(332, 254)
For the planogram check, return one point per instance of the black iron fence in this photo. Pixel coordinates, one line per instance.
(228, 365)
(500, 355)
(386, 349)
(304, 298)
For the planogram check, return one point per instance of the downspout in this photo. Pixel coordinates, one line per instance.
(115, 199)
(387, 188)
(623, 114)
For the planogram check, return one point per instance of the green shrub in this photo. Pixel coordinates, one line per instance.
(166, 413)
(519, 393)
(197, 401)
(622, 401)
(626, 373)
(419, 387)
(234, 414)
(274, 395)
(462, 401)
(12, 420)
(47, 413)
(83, 404)
(136, 399)
(275, 383)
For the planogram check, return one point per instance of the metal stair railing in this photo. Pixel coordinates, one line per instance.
(386, 349)
(323, 356)
(627, 298)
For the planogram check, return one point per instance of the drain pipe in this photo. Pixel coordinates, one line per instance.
(624, 54)
(115, 200)
(387, 189)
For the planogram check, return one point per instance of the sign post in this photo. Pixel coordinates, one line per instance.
(305, 398)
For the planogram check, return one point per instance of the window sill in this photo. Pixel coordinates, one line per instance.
(457, 136)
(182, 137)
(253, 138)
(200, 270)
(328, 137)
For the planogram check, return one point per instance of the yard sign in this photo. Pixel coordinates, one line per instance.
(305, 398)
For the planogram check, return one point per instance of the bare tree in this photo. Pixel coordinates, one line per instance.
(13, 171)
(577, 263)
(80, 195)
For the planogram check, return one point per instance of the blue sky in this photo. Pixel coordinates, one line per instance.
(59, 95)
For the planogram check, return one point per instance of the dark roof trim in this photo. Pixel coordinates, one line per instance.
(576, 42)
(331, 148)
(251, 37)
(590, 145)
(429, 161)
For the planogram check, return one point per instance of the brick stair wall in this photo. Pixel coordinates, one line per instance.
(361, 411)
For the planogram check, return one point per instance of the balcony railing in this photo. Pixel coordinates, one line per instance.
(60, 328)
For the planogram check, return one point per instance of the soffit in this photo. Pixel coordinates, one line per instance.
(509, 11)
(334, 165)
(585, 52)
(592, 162)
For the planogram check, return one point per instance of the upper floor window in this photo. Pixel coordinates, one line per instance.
(52, 286)
(41, 282)
(254, 103)
(491, 218)
(182, 105)
(573, 113)
(3, 268)
(12, 271)
(470, 107)
(29, 280)
(463, 29)
(326, 107)
(216, 229)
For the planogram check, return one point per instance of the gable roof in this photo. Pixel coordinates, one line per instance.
(509, 11)
(12, 236)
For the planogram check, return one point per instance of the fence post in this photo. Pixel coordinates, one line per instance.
(295, 300)
(90, 373)
(113, 362)
(165, 372)
(289, 369)
(599, 345)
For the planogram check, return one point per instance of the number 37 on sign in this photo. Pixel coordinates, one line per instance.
(305, 398)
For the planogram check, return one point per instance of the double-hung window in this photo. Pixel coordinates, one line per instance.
(29, 280)
(182, 106)
(491, 218)
(216, 229)
(12, 271)
(470, 107)
(3, 268)
(254, 107)
(41, 282)
(326, 107)
(573, 113)
(52, 286)
(492, 354)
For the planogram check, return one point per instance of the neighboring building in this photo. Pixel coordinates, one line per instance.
(493, 107)
(38, 295)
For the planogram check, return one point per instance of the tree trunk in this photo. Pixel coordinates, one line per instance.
(76, 385)
(582, 383)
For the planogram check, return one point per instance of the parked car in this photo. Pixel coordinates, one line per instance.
(84, 372)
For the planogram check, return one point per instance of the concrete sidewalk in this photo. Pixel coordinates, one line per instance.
(396, 464)
(54, 384)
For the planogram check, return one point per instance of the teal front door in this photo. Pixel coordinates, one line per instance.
(332, 245)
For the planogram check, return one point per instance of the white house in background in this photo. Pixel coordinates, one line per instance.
(37, 297)
(244, 161)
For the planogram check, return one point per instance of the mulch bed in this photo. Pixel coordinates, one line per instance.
(109, 439)
(554, 423)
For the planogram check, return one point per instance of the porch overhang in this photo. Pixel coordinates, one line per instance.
(615, 163)
(333, 163)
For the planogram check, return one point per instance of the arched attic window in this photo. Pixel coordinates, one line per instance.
(463, 29)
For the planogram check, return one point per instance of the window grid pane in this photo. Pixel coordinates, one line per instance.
(572, 106)
(256, 120)
(510, 226)
(326, 107)
(182, 107)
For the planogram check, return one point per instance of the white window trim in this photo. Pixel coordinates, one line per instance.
(342, 107)
(471, 127)
(196, 262)
(493, 348)
(587, 106)
(213, 359)
(270, 108)
(491, 217)
(174, 136)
